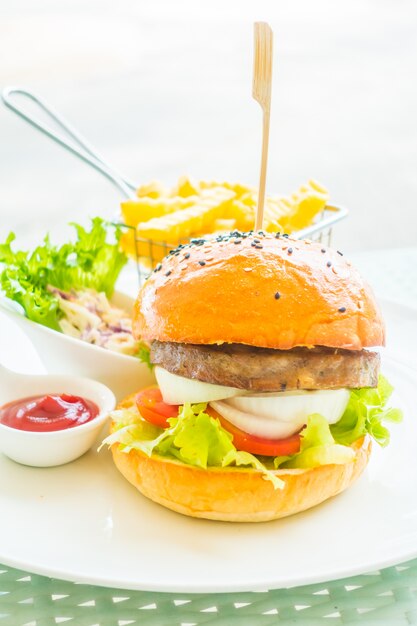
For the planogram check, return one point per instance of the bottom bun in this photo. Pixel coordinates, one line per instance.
(233, 494)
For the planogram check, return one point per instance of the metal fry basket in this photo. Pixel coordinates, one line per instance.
(147, 252)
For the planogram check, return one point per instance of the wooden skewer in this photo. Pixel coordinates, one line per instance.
(261, 91)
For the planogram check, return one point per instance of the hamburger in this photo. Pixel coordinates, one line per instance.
(268, 394)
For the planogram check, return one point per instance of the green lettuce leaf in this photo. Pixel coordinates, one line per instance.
(131, 432)
(365, 413)
(91, 261)
(144, 354)
(322, 444)
(317, 447)
(194, 437)
(23, 280)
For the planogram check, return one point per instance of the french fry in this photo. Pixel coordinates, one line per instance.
(274, 214)
(242, 214)
(144, 209)
(186, 187)
(154, 189)
(308, 202)
(236, 187)
(194, 219)
(150, 252)
(220, 225)
(298, 210)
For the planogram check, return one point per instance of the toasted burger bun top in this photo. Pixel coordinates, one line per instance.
(258, 290)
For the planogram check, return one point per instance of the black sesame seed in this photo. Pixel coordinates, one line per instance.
(285, 235)
(323, 250)
(342, 309)
(258, 246)
(158, 267)
(289, 250)
(237, 241)
(329, 263)
(202, 262)
(187, 256)
(253, 244)
(278, 235)
(277, 295)
(257, 240)
(338, 252)
(168, 273)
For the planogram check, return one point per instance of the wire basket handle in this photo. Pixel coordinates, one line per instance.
(70, 139)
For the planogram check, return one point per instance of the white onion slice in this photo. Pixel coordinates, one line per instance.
(275, 416)
(286, 405)
(178, 389)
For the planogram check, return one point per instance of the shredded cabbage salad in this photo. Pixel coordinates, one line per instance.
(197, 439)
(89, 316)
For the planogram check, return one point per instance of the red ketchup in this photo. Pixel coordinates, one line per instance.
(48, 413)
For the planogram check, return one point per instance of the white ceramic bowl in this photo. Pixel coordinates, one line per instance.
(45, 449)
(61, 354)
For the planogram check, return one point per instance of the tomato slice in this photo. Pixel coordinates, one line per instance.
(258, 445)
(152, 407)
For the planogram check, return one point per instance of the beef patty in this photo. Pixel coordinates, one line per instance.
(265, 369)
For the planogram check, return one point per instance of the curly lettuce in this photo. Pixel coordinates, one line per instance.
(93, 261)
(364, 414)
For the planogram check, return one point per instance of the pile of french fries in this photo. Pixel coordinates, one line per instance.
(162, 218)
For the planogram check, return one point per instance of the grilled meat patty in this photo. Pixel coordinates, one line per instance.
(264, 369)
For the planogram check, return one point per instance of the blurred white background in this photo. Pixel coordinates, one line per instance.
(163, 88)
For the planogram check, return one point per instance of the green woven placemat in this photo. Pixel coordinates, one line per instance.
(387, 597)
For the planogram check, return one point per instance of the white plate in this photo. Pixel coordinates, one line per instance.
(84, 522)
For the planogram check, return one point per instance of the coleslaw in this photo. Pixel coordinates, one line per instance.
(88, 315)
